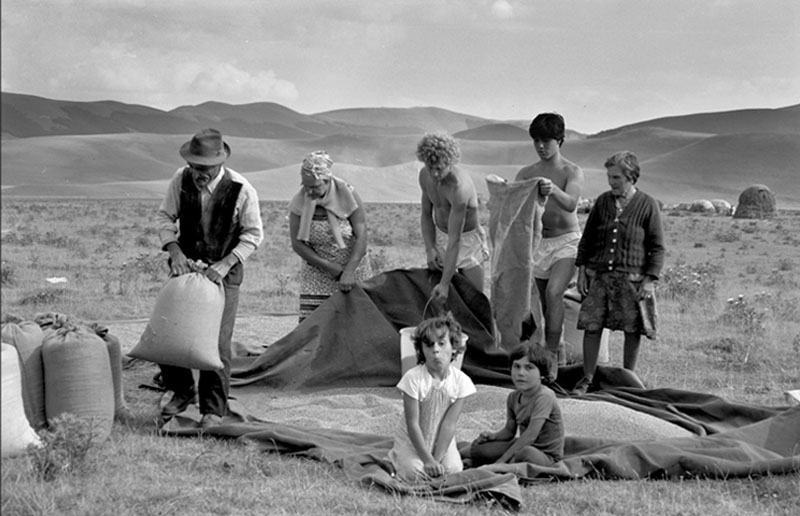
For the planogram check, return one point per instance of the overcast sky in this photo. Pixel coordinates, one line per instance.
(600, 63)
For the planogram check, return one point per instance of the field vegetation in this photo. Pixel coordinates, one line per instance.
(729, 307)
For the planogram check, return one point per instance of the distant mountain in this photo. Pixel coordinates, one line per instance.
(783, 121)
(111, 149)
(495, 132)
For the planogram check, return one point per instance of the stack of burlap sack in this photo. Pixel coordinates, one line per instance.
(56, 365)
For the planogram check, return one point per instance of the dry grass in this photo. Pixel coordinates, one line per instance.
(745, 352)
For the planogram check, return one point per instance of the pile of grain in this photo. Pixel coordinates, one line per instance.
(380, 410)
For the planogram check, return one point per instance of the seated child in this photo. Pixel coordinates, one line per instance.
(433, 396)
(532, 408)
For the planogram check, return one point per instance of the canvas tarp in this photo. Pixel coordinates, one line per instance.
(738, 440)
(353, 339)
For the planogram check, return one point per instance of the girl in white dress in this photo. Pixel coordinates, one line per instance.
(433, 396)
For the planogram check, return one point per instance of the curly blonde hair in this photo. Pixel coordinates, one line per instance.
(438, 149)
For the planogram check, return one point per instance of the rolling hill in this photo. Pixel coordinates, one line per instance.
(110, 149)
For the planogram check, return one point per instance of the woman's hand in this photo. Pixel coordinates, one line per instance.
(647, 288)
(583, 282)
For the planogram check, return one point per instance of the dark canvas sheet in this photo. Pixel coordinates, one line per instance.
(739, 441)
(352, 341)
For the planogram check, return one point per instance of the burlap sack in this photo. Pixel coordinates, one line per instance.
(77, 376)
(15, 432)
(26, 337)
(184, 328)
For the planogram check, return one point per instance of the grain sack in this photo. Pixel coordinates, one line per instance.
(184, 328)
(77, 377)
(26, 337)
(15, 433)
(121, 410)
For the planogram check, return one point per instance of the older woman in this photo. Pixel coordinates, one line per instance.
(620, 256)
(328, 230)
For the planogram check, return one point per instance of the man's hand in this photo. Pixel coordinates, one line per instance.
(439, 292)
(178, 263)
(435, 262)
(217, 271)
(545, 187)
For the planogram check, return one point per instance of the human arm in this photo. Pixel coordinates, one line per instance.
(447, 429)
(251, 233)
(427, 227)
(431, 466)
(167, 226)
(568, 198)
(654, 251)
(358, 221)
(504, 434)
(459, 201)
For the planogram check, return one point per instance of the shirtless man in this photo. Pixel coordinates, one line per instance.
(554, 257)
(454, 240)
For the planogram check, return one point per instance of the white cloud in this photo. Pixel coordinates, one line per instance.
(502, 9)
(226, 82)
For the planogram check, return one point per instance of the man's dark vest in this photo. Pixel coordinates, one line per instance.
(223, 234)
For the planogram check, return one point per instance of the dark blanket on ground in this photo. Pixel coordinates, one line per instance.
(734, 440)
(352, 340)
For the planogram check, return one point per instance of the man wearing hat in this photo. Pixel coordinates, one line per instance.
(209, 220)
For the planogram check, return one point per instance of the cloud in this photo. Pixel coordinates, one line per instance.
(502, 9)
(226, 82)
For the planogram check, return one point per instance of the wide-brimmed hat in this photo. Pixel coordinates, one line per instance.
(206, 148)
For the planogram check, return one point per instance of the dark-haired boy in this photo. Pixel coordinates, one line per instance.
(532, 409)
(554, 257)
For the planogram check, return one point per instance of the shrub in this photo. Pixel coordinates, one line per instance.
(740, 314)
(7, 274)
(64, 447)
(689, 282)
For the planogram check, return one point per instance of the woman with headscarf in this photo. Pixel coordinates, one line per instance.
(328, 229)
(620, 256)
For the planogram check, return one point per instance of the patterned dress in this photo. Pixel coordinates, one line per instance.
(315, 284)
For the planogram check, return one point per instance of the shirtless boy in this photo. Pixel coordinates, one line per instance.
(454, 240)
(554, 257)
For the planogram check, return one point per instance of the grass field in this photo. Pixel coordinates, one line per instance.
(730, 326)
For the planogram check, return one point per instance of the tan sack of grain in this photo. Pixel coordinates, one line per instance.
(26, 337)
(121, 410)
(77, 377)
(16, 433)
(184, 327)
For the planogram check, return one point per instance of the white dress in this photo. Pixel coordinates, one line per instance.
(435, 397)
